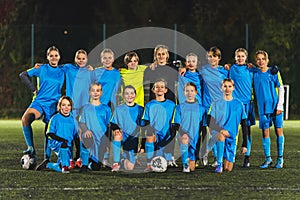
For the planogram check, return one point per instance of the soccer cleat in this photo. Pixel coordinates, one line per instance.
(148, 168)
(214, 164)
(279, 163)
(186, 169)
(115, 167)
(266, 164)
(84, 169)
(246, 163)
(43, 165)
(105, 163)
(30, 151)
(65, 170)
(205, 161)
(78, 163)
(219, 169)
(172, 163)
(72, 164)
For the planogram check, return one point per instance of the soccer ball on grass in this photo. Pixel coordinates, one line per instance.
(159, 164)
(28, 161)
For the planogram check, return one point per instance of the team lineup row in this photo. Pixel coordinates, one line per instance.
(208, 97)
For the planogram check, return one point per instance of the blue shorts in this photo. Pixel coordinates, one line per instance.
(267, 120)
(46, 110)
(230, 149)
(249, 110)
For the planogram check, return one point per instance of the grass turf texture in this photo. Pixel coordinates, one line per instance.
(252, 183)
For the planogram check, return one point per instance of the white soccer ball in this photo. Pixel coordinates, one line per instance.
(159, 164)
(28, 161)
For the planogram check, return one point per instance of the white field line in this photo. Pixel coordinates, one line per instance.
(155, 188)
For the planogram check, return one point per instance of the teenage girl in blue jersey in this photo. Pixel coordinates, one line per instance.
(188, 122)
(46, 95)
(63, 128)
(78, 81)
(109, 78)
(269, 93)
(158, 118)
(94, 122)
(224, 117)
(242, 76)
(125, 124)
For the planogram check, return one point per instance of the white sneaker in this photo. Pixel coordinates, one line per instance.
(186, 169)
(214, 164)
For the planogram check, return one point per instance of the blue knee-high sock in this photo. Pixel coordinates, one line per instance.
(168, 156)
(249, 143)
(54, 166)
(65, 157)
(215, 150)
(220, 151)
(84, 154)
(267, 147)
(280, 145)
(28, 135)
(47, 149)
(149, 148)
(116, 147)
(184, 153)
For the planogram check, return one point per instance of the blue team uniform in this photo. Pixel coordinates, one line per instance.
(193, 77)
(96, 119)
(265, 85)
(243, 81)
(228, 116)
(50, 82)
(159, 114)
(189, 116)
(129, 120)
(110, 81)
(78, 81)
(65, 127)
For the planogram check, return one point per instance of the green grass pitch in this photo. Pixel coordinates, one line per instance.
(252, 183)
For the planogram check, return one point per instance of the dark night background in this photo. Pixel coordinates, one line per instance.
(272, 26)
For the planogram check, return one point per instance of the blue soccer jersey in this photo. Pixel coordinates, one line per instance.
(49, 83)
(65, 127)
(265, 85)
(78, 80)
(193, 77)
(128, 118)
(243, 79)
(96, 118)
(228, 115)
(160, 114)
(190, 116)
(110, 81)
(213, 78)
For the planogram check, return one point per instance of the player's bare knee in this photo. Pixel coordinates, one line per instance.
(184, 139)
(27, 119)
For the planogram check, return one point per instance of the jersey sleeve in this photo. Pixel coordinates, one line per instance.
(34, 71)
(52, 125)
